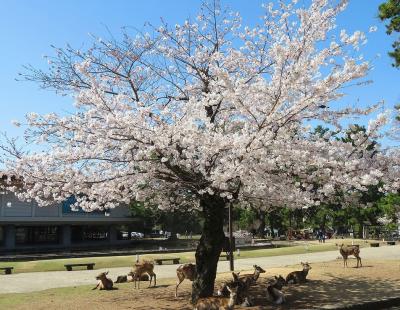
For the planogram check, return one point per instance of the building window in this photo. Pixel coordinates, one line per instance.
(89, 233)
(28, 235)
(1, 235)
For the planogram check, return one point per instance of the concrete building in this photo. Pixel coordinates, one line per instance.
(24, 226)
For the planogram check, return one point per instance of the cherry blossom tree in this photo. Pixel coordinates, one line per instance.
(203, 114)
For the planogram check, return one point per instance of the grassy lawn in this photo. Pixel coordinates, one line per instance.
(76, 297)
(8, 301)
(124, 261)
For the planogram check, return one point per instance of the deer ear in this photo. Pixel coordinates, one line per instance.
(106, 273)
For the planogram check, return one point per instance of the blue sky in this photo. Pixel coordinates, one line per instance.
(28, 28)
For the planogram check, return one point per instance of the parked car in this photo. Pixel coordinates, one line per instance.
(125, 235)
(137, 235)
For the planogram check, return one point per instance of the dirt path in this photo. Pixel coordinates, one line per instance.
(37, 281)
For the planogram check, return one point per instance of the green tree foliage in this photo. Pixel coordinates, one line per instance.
(244, 218)
(390, 10)
(175, 221)
(390, 204)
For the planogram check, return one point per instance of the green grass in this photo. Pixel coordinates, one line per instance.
(79, 296)
(14, 299)
(126, 261)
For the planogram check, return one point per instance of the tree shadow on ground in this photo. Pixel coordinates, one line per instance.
(337, 290)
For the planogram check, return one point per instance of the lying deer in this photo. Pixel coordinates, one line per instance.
(297, 277)
(243, 282)
(252, 278)
(242, 290)
(218, 303)
(274, 292)
(186, 271)
(122, 279)
(103, 282)
(347, 250)
(129, 278)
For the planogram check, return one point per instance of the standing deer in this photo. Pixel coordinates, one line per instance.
(186, 271)
(347, 250)
(218, 302)
(142, 268)
(103, 282)
(297, 277)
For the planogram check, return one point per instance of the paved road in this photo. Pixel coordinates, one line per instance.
(37, 281)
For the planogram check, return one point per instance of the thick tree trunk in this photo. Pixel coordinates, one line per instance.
(210, 246)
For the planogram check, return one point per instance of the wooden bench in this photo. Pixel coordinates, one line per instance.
(374, 244)
(391, 242)
(89, 266)
(174, 260)
(7, 270)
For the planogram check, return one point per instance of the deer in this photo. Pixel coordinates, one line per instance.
(242, 290)
(142, 268)
(251, 278)
(122, 279)
(218, 302)
(243, 282)
(347, 250)
(103, 282)
(129, 278)
(297, 277)
(274, 290)
(186, 271)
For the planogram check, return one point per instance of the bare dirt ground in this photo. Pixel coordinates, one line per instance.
(329, 284)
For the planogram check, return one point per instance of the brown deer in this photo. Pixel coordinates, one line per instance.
(186, 271)
(129, 278)
(242, 290)
(274, 290)
(103, 282)
(297, 277)
(122, 279)
(251, 278)
(141, 269)
(347, 250)
(218, 302)
(278, 282)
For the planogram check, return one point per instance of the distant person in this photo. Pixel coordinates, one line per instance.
(190, 235)
(320, 236)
